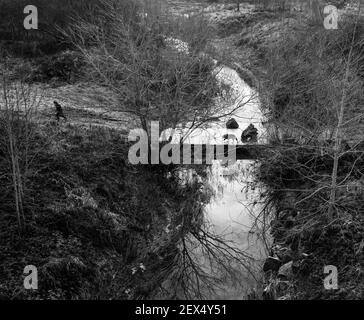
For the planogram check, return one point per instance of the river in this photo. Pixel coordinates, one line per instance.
(236, 204)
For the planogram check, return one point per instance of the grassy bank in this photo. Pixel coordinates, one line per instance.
(311, 87)
(94, 226)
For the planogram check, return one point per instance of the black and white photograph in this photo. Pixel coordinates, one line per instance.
(198, 151)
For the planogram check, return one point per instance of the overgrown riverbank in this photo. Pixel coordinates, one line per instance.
(314, 208)
(95, 227)
(311, 87)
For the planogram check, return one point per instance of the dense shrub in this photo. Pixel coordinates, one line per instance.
(65, 67)
(315, 209)
(306, 70)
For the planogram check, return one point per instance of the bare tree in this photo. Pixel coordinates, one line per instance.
(314, 101)
(345, 95)
(156, 64)
(18, 106)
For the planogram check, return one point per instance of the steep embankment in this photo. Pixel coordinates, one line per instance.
(95, 227)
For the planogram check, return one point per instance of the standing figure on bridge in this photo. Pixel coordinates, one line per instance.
(59, 111)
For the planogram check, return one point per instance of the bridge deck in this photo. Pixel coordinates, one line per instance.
(242, 152)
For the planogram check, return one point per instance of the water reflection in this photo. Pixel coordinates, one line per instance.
(236, 200)
(232, 213)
